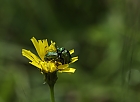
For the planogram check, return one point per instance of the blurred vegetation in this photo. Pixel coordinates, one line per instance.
(104, 34)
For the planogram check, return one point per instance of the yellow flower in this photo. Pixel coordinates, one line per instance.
(42, 49)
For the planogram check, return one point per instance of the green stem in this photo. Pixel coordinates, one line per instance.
(52, 93)
(51, 79)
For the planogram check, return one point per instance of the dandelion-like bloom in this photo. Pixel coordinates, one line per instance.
(49, 66)
(50, 61)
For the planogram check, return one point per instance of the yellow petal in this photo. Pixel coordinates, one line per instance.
(27, 54)
(51, 67)
(30, 55)
(74, 59)
(44, 67)
(48, 67)
(52, 47)
(41, 47)
(42, 50)
(68, 70)
(45, 42)
(36, 65)
(36, 45)
(63, 66)
(71, 51)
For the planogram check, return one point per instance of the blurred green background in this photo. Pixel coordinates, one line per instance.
(104, 34)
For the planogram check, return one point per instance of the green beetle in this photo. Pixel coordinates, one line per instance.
(64, 55)
(51, 56)
(61, 55)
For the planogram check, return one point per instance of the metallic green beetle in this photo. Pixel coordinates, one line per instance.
(51, 56)
(64, 55)
(61, 55)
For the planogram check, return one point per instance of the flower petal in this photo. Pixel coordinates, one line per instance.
(52, 47)
(63, 66)
(30, 55)
(74, 59)
(48, 67)
(71, 51)
(42, 52)
(36, 65)
(68, 70)
(45, 42)
(36, 45)
(41, 47)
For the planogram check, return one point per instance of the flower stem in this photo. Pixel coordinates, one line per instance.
(52, 93)
(51, 79)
